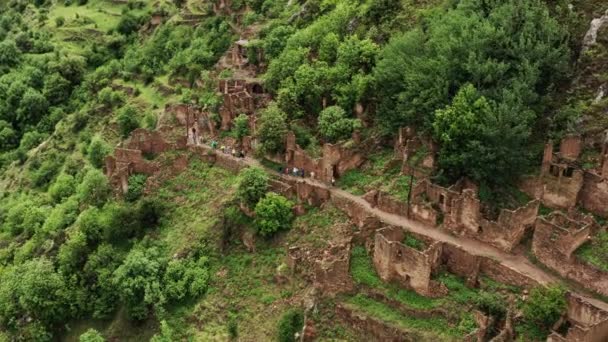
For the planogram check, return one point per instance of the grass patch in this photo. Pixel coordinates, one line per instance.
(435, 326)
(411, 241)
(318, 226)
(363, 272)
(595, 252)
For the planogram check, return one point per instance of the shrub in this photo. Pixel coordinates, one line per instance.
(97, 151)
(273, 213)
(291, 323)
(136, 187)
(272, 129)
(544, 306)
(127, 120)
(59, 21)
(63, 187)
(91, 335)
(241, 126)
(334, 125)
(94, 189)
(252, 186)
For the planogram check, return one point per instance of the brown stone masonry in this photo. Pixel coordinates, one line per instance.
(556, 237)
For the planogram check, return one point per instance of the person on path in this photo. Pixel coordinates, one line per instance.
(233, 152)
(333, 181)
(295, 171)
(312, 174)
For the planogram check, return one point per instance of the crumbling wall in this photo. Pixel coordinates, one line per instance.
(462, 263)
(588, 322)
(553, 246)
(507, 232)
(561, 186)
(375, 329)
(389, 204)
(148, 142)
(594, 194)
(409, 267)
(331, 270)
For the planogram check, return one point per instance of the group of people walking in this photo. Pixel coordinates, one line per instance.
(228, 150)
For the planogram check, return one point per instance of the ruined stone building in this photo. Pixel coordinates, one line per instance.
(334, 162)
(407, 266)
(556, 238)
(563, 184)
(240, 97)
(417, 155)
(135, 156)
(586, 321)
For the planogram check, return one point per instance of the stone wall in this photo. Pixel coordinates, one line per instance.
(411, 268)
(148, 142)
(507, 232)
(555, 240)
(331, 270)
(373, 328)
(594, 194)
(334, 162)
(588, 323)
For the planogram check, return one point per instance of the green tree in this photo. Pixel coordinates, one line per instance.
(137, 184)
(63, 187)
(91, 335)
(185, 278)
(272, 129)
(509, 50)
(32, 108)
(166, 333)
(8, 136)
(273, 213)
(9, 53)
(56, 88)
(241, 126)
(127, 120)
(97, 151)
(334, 125)
(94, 189)
(138, 281)
(479, 140)
(252, 186)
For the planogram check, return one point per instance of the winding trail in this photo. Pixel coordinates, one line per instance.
(518, 263)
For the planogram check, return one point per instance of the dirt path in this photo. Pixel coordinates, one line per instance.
(515, 262)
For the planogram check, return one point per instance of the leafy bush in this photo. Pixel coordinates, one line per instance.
(97, 151)
(544, 307)
(334, 125)
(59, 21)
(127, 120)
(241, 126)
(137, 183)
(94, 189)
(252, 186)
(63, 187)
(91, 335)
(273, 213)
(290, 323)
(272, 129)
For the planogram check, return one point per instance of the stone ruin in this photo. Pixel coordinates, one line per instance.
(556, 238)
(561, 178)
(240, 97)
(335, 161)
(563, 184)
(328, 270)
(132, 157)
(458, 209)
(407, 266)
(416, 154)
(586, 321)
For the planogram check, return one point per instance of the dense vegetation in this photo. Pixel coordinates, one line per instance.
(483, 78)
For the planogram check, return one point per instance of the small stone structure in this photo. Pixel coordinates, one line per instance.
(588, 322)
(240, 97)
(331, 269)
(409, 267)
(560, 176)
(335, 161)
(458, 209)
(130, 159)
(416, 154)
(557, 237)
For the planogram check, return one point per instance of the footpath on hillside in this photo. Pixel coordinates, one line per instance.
(517, 262)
